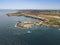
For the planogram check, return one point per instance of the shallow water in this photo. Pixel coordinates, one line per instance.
(10, 35)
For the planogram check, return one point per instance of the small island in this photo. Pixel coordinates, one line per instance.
(47, 17)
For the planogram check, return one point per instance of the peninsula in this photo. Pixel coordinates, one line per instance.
(47, 17)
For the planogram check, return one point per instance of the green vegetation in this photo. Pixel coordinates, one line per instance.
(53, 21)
(50, 17)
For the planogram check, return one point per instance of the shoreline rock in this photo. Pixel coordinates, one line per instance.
(27, 24)
(50, 18)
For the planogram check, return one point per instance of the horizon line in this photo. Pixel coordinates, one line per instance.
(29, 9)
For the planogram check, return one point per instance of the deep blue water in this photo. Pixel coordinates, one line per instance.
(10, 35)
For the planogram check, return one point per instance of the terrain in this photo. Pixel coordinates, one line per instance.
(49, 17)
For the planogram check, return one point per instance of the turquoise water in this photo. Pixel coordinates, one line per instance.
(10, 35)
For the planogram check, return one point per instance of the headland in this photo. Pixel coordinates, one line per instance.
(47, 17)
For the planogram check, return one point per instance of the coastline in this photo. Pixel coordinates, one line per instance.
(27, 24)
(48, 20)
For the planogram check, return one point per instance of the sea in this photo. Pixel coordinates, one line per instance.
(39, 35)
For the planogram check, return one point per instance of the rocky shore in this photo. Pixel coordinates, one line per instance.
(28, 24)
(51, 18)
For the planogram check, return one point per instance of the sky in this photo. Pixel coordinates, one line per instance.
(29, 4)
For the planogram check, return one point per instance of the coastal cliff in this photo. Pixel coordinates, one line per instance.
(49, 17)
